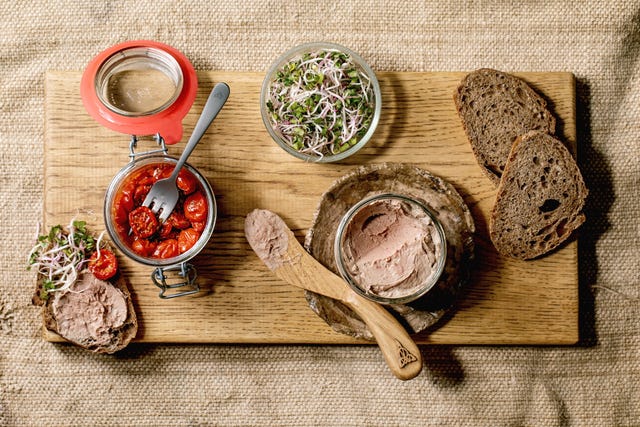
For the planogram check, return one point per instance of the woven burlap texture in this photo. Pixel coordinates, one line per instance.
(596, 383)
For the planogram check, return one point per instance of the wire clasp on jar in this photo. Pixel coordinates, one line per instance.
(184, 273)
(133, 144)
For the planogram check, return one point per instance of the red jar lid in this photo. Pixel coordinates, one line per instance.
(140, 88)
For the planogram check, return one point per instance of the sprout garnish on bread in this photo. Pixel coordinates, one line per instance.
(83, 296)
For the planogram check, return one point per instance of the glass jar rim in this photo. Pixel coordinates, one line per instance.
(153, 58)
(167, 122)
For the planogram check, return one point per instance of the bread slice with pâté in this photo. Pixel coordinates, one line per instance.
(540, 198)
(496, 108)
(118, 323)
(84, 296)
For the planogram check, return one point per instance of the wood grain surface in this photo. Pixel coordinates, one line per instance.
(507, 302)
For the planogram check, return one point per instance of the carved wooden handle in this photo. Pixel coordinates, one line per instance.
(398, 348)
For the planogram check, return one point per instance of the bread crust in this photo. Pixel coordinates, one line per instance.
(495, 108)
(539, 200)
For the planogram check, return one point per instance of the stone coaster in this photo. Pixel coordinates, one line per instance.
(410, 181)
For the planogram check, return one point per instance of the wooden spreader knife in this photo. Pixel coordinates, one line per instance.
(278, 248)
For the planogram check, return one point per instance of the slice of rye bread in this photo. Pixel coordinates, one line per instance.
(120, 337)
(540, 198)
(496, 108)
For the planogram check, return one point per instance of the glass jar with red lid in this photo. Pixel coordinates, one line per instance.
(145, 88)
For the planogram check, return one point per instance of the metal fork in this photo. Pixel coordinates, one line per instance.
(164, 193)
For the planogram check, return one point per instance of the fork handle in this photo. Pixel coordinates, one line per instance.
(216, 100)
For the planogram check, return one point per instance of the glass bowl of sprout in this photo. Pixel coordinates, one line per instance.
(320, 102)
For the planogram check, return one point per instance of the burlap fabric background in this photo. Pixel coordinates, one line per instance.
(592, 384)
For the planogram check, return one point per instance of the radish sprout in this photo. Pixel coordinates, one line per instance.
(61, 255)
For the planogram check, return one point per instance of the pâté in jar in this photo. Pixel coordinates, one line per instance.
(390, 248)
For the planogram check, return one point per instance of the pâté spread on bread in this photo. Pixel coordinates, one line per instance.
(84, 298)
(89, 310)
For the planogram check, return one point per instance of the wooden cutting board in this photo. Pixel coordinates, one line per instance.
(507, 301)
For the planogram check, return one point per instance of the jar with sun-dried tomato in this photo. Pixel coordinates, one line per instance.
(145, 88)
(137, 232)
